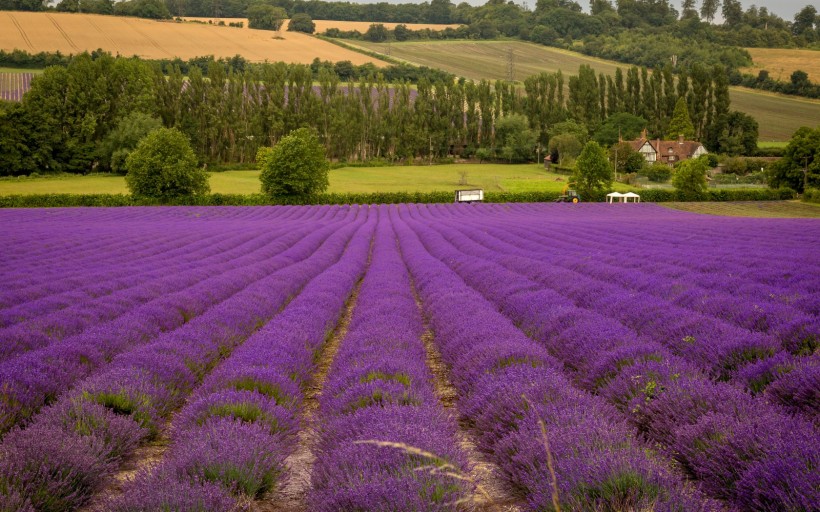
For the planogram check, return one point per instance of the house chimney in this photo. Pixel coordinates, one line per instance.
(680, 138)
(643, 134)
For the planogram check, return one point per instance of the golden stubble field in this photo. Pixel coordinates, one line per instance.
(75, 33)
(322, 25)
(782, 62)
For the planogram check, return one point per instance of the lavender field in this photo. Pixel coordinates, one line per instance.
(408, 358)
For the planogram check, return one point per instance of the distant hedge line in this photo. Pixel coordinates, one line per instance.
(811, 195)
(70, 200)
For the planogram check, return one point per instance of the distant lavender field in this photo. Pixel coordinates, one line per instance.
(14, 85)
(666, 360)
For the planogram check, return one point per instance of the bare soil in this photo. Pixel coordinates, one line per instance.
(492, 495)
(291, 497)
(143, 458)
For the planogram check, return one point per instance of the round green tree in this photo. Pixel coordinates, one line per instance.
(301, 22)
(690, 179)
(593, 173)
(296, 166)
(163, 165)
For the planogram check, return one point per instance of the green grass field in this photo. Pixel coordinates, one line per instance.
(772, 144)
(778, 209)
(779, 116)
(21, 70)
(421, 178)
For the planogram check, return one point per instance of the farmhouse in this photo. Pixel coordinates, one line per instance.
(667, 151)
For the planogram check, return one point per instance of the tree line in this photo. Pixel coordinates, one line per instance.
(76, 117)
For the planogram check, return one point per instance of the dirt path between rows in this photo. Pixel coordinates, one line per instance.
(299, 465)
(493, 495)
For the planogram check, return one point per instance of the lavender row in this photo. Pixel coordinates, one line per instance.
(145, 385)
(721, 348)
(232, 438)
(509, 386)
(703, 244)
(78, 316)
(379, 390)
(742, 249)
(742, 358)
(88, 281)
(750, 361)
(768, 313)
(14, 85)
(741, 449)
(42, 279)
(39, 376)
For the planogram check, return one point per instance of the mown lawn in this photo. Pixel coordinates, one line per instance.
(421, 178)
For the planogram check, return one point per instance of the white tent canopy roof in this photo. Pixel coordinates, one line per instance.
(623, 197)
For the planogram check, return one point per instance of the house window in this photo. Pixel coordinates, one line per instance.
(671, 158)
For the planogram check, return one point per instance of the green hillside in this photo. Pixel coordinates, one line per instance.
(779, 116)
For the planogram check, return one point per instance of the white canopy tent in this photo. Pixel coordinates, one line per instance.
(623, 197)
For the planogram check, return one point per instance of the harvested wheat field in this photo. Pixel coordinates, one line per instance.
(322, 25)
(74, 33)
(781, 62)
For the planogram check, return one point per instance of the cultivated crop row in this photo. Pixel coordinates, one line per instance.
(742, 448)
(594, 357)
(148, 383)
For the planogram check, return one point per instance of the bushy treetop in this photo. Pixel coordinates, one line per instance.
(296, 166)
(163, 165)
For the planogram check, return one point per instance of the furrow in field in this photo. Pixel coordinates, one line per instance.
(148, 384)
(251, 400)
(510, 388)
(662, 396)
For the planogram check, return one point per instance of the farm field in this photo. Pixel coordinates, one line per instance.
(781, 209)
(75, 33)
(779, 116)
(372, 357)
(322, 25)
(14, 85)
(421, 178)
(782, 62)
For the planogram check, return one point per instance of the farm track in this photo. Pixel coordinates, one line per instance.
(145, 36)
(493, 496)
(63, 32)
(104, 34)
(291, 497)
(20, 29)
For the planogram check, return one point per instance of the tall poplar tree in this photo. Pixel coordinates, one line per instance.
(681, 123)
(708, 9)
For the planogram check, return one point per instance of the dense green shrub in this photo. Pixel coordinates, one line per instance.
(163, 165)
(811, 195)
(294, 167)
(301, 22)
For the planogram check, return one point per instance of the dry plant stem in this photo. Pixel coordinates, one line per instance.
(553, 479)
(492, 497)
(299, 465)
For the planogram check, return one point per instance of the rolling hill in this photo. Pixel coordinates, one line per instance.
(778, 115)
(75, 33)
